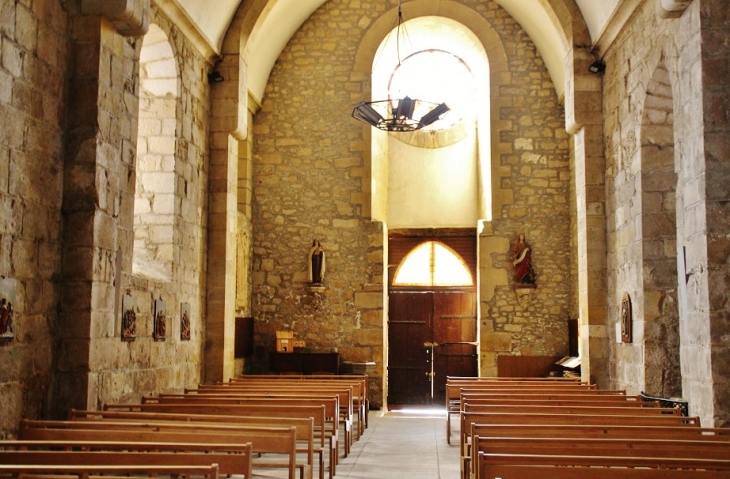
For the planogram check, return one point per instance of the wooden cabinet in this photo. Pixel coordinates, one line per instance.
(304, 363)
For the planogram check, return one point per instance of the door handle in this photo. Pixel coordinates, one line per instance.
(429, 345)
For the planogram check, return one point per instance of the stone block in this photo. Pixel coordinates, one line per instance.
(495, 341)
(369, 300)
(368, 337)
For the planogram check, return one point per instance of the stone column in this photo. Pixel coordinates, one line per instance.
(715, 59)
(99, 165)
(583, 104)
(228, 147)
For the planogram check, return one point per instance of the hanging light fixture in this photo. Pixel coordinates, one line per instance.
(397, 115)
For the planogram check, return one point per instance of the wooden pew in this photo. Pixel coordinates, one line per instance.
(455, 388)
(125, 461)
(565, 401)
(359, 383)
(575, 433)
(343, 393)
(353, 409)
(304, 426)
(103, 471)
(469, 418)
(644, 448)
(268, 408)
(528, 467)
(196, 436)
(232, 458)
(330, 403)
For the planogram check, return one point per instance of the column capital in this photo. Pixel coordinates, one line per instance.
(131, 18)
(671, 8)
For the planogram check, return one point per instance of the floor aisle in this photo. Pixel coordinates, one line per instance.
(402, 445)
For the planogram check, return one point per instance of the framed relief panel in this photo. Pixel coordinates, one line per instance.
(185, 321)
(160, 321)
(129, 317)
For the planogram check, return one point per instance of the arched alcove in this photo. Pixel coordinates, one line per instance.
(662, 373)
(154, 206)
(448, 164)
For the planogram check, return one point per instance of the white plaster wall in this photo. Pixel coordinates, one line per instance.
(434, 188)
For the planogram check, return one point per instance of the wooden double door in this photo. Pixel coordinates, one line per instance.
(431, 335)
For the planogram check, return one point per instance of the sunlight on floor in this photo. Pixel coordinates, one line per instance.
(417, 411)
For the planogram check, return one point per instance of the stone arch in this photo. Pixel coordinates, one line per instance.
(155, 198)
(499, 76)
(661, 340)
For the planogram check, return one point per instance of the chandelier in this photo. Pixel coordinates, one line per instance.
(397, 114)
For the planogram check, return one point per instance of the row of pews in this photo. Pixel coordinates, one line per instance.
(531, 428)
(299, 425)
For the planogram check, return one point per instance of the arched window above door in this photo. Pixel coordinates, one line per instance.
(432, 264)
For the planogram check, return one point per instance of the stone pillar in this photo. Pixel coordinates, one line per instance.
(583, 103)
(99, 163)
(229, 128)
(715, 58)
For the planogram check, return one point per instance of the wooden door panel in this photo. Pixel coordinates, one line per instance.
(409, 328)
(455, 333)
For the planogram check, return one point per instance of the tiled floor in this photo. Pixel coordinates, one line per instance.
(403, 444)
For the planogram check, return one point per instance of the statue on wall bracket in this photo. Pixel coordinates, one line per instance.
(7, 311)
(316, 264)
(626, 319)
(524, 275)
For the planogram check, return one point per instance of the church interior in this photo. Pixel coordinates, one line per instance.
(193, 191)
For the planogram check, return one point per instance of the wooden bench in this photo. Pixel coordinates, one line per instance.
(359, 383)
(196, 436)
(343, 393)
(352, 408)
(521, 391)
(469, 418)
(304, 426)
(359, 379)
(236, 456)
(330, 403)
(644, 448)
(574, 433)
(103, 471)
(328, 431)
(525, 466)
(96, 461)
(454, 389)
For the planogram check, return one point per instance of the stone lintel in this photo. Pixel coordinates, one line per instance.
(131, 18)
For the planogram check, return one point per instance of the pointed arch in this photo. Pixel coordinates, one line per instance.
(662, 371)
(433, 263)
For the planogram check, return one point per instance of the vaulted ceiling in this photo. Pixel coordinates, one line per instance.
(213, 22)
(280, 19)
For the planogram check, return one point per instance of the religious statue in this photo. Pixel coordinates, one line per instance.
(316, 263)
(522, 261)
(6, 314)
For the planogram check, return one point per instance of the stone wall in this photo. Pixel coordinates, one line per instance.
(69, 81)
(310, 178)
(34, 58)
(534, 185)
(128, 370)
(635, 141)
